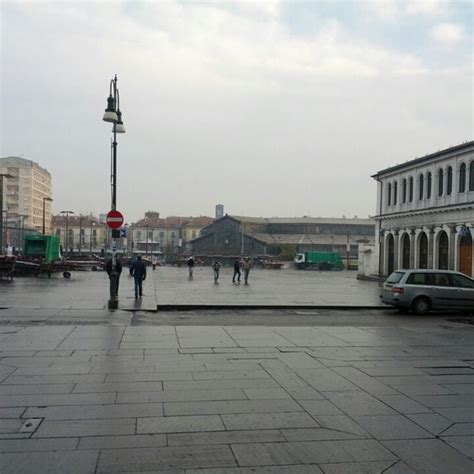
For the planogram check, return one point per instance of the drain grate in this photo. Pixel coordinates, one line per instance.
(30, 425)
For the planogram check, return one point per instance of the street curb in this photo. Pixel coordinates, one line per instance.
(199, 307)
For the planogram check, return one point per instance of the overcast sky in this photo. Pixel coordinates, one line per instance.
(271, 108)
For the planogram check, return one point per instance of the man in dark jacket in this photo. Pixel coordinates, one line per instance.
(236, 270)
(139, 274)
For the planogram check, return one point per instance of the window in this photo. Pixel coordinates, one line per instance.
(462, 178)
(449, 184)
(460, 281)
(395, 192)
(428, 186)
(389, 194)
(150, 234)
(58, 231)
(162, 234)
(471, 176)
(439, 279)
(194, 233)
(395, 277)
(422, 184)
(139, 235)
(404, 190)
(440, 182)
(411, 190)
(417, 279)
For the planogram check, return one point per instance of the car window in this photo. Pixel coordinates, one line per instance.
(395, 277)
(439, 279)
(461, 281)
(417, 279)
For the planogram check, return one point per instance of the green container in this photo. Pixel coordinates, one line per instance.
(45, 246)
(332, 258)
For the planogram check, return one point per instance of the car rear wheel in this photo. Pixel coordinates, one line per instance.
(421, 306)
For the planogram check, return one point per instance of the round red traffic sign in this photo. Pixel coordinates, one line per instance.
(114, 219)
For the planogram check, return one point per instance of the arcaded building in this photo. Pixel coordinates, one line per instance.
(425, 212)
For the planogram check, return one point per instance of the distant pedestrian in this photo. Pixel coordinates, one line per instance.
(191, 264)
(153, 263)
(236, 270)
(139, 275)
(216, 266)
(247, 265)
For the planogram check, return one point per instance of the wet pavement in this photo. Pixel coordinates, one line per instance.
(171, 286)
(266, 287)
(87, 390)
(237, 399)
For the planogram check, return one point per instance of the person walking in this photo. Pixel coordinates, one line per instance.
(236, 270)
(216, 266)
(139, 275)
(191, 264)
(247, 266)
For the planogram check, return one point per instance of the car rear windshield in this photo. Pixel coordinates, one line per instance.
(395, 277)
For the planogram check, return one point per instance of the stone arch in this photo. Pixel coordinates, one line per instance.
(465, 253)
(442, 250)
(405, 250)
(422, 244)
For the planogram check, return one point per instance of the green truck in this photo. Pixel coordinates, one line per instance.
(318, 261)
(46, 247)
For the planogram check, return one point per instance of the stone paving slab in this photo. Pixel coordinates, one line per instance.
(50, 462)
(261, 399)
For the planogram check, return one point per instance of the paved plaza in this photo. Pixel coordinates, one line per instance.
(86, 390)
(236, 399)
(171, 286)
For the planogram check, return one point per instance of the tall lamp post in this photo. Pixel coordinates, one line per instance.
(66, 240)
(2, 176)
(44, 213)
(114, 115)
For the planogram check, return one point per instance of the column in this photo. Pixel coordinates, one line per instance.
(452, 245)
(412, 247)
(396, 249)
(381, 255)
(430, 232)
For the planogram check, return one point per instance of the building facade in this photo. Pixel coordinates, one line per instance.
(155, 235)
(27, 192)
(260, 237)
(425, 212)
(192, 230)
(81, 235)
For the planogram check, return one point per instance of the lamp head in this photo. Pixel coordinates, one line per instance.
(110, 115)
(119, 127)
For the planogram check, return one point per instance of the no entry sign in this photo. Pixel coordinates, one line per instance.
(114, 219)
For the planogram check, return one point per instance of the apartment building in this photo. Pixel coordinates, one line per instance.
(27, 192)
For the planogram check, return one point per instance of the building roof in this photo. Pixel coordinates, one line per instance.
(74, 221)
(201, 221)
(463, 147)
(171, 222)
(16, 161)
(306, 239)
(303, 220)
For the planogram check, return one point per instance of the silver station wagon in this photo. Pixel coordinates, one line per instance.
(425, 290)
